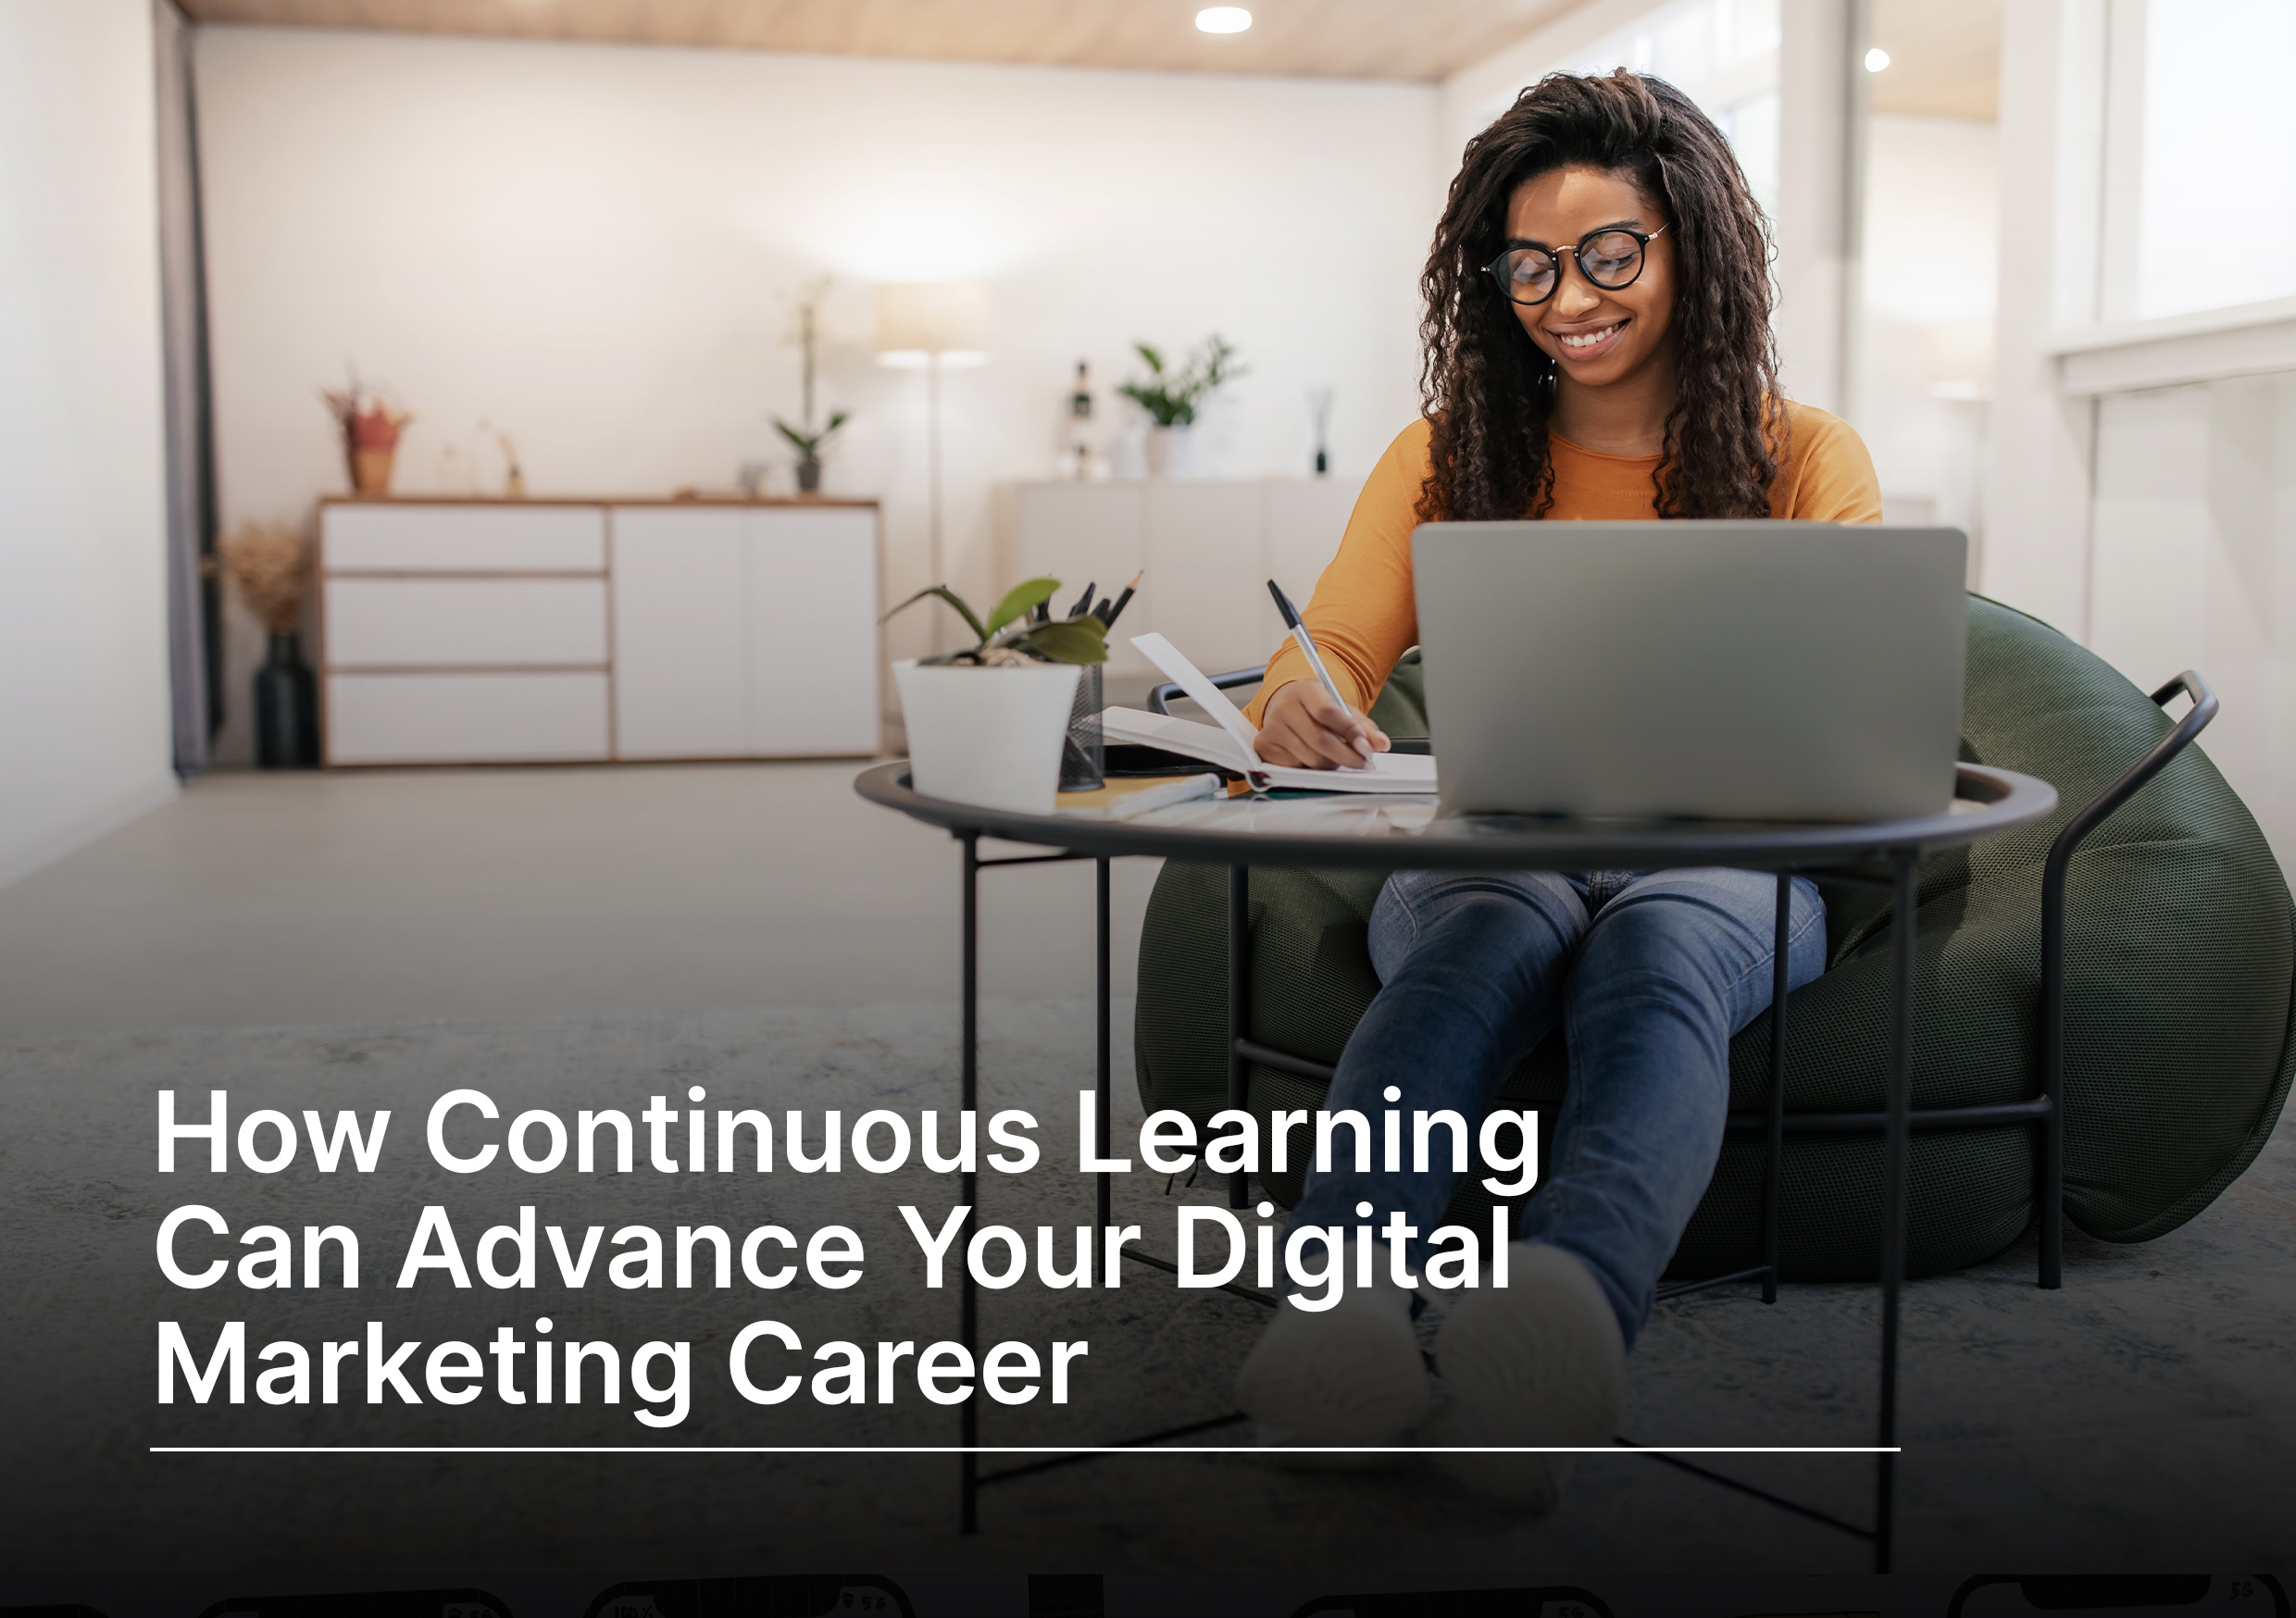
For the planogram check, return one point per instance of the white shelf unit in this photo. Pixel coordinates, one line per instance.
(592, 631)
(1208, 547)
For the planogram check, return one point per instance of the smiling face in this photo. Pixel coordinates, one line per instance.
(1597, 338)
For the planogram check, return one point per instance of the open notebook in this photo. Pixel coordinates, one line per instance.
(1228, 743)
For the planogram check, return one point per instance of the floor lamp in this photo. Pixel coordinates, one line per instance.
(932, 324)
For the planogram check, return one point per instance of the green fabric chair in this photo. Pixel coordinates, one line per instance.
(2179, 1050)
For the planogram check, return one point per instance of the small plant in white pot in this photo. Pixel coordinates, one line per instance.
(986, 723)
(1171, 398)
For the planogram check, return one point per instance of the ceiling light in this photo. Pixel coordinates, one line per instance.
(1876, 59)
(1223, 19)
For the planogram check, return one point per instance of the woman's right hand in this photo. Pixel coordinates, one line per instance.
(1304, 727)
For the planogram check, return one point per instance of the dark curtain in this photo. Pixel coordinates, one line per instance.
(195, 601)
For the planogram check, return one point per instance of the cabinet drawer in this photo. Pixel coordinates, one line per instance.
(466, 718)
(401, 623)
(465, 539)
(813, 592)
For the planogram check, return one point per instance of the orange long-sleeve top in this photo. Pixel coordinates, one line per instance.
(1364, 618)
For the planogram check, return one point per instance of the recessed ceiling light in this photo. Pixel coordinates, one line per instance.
(1876, 59)
(1223, 19)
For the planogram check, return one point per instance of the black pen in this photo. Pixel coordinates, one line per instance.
(1102, 612)
(1084, 600)
(1306, 644)
(1116, 610)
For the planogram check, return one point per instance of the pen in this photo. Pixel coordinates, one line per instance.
(1103, 612)
(1307, 644)
(1117, 611)
(1085, 600)
(1164, 796)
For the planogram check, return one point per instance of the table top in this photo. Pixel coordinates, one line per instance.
(1389, 832)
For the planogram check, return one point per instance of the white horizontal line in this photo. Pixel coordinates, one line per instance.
(1021, 1450)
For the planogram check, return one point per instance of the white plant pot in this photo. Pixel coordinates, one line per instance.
(987, 736)
(1169, 452)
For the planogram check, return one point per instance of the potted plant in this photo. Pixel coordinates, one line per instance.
(808, 440)
(986, 723)
(1171, 398)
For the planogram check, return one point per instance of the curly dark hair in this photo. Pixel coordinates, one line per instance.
(1486, 387)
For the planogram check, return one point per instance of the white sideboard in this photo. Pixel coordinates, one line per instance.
(1208, 548)
(587, 631)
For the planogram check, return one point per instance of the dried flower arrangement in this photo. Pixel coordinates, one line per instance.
(272, 564)
(370, 427)
(1025, 636)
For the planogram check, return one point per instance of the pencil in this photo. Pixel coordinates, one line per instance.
(1116, 610)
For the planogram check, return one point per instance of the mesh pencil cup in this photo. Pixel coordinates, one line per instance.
(1082, 756)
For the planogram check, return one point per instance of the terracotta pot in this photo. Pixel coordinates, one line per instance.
(370, 473)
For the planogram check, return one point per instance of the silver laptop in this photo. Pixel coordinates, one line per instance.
(1735, 670)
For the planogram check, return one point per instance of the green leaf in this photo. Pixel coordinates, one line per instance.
(837, 419)
(1083, 638)
(1019, 600)
(804, 443)
(945, 593)
(1151, 354)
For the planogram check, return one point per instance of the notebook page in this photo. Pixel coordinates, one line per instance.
(1207, 696)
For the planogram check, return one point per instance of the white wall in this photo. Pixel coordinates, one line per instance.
(2141, 506)
(83, 635)
(2195, 568)
(2040, 438)
(1925, 354)
(593, 247)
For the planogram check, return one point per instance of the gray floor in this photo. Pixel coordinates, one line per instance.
(2140, 1419)
(259, 898)
(585, 937)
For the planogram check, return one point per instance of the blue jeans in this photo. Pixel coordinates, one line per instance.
(1649, 976)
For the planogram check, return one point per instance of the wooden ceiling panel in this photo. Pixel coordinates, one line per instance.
(1406, 40)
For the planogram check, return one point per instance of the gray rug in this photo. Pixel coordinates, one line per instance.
(2142, 1418)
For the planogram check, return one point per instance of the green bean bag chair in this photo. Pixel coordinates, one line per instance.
(2181, 946)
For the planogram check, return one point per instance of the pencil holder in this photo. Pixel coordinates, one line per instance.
(1082, 756)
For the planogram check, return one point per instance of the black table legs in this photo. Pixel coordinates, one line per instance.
(1896, 1127)
(1896, 1133)
(1099, 1122)
(1239, 1004)
(1774, 1161)
(969, 1462)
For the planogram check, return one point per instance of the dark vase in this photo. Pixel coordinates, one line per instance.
(808, 474)
(286, 708)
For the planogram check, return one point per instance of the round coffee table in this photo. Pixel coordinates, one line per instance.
(1382, 832)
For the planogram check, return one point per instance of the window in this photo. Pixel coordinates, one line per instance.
(1723, 55)
(2216, 182)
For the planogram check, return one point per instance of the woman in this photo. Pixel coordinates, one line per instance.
(1597, 345)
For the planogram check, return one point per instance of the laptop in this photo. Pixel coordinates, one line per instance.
(1794, 671)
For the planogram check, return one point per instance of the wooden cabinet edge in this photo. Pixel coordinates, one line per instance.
(500, 504)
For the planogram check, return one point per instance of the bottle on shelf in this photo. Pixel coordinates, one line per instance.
(1076, 447)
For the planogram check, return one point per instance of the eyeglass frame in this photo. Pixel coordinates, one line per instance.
(1642, 257)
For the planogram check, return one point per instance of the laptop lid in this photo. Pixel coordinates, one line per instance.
(1735, 670)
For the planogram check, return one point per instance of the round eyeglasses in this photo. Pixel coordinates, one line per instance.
(1610, 258)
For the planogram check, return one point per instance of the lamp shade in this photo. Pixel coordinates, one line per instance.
(945, 318)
